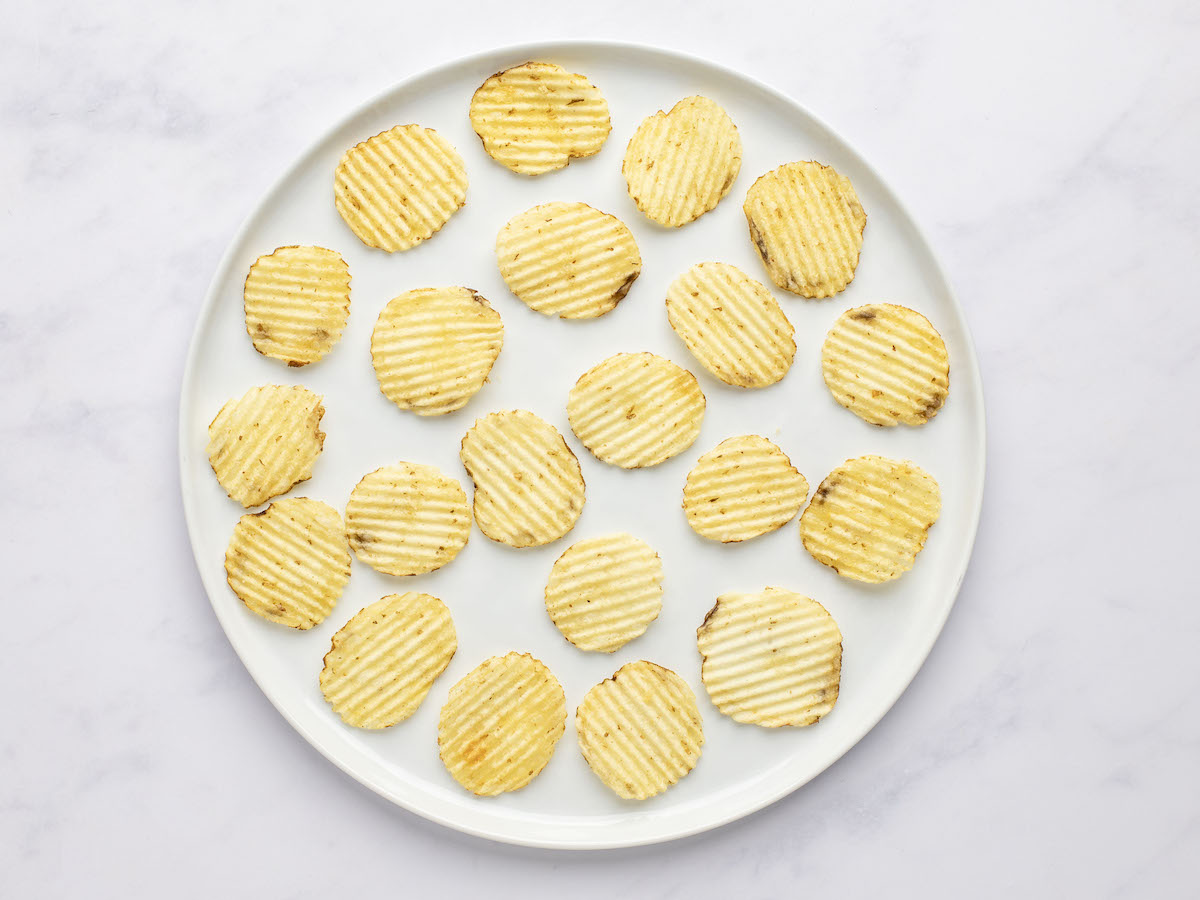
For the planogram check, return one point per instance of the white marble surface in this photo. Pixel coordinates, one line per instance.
(1050, 746)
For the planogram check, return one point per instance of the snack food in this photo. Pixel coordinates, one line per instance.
(296, 301)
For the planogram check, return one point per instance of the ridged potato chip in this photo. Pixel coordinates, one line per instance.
(383, 662)
(501, 723)
(773, 658)
(605, 591)
(886, 364)
(529, 488)
(265, 442)
(679, 164)
(568, 259)
(400, 187)
(636, 409)
(807, 224)
(433, 348)
(869, 518)
(297, 300)
(640, 731)
(537, 117)
(742, 488)
(407, 519)
(732, 324)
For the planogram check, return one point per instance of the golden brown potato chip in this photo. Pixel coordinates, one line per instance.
(297, 300)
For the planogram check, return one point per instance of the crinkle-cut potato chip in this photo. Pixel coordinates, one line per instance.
(537, 117)
(400, 187)
(773, 658)
(568, 259)
(501, 723)
(605, 591)
(869, 518)
(636, 409)
(383, 662)
(679, 164)
(529, 488)
(807, 224)
(732, 324)
(297, 300)
(265, 442)
(433, 348)
(742, 488)
(407, 519)
(640, 731)
(290, 562)
(886, 364)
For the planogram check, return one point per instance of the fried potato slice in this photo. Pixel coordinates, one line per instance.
(297, 300)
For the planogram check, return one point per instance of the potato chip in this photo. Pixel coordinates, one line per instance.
(679, 164)
(528, 485)
(636, 409)
(807, 223)
(605, 591)
(568, 260)
(499, 727)
(869, 518)
(886, 364)
(407, 519)
(773, 658)
(537, 117)
(400, 187)
(742, 488)
(383, 661)
(732, 324)
(297, 300)
(640, 731)
(265, 442)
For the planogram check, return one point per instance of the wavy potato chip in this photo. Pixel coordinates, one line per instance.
(297, 300)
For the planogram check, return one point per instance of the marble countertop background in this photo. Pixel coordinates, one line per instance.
(1050, 747)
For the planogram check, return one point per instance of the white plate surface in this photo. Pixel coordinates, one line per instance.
(494, 592)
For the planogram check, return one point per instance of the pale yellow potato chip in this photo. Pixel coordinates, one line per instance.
(869, 518)
(383, 662)
(434, 347)
(807, 224)
(732, 324)
(501, 723)
(640, 731)
(297, 300)
(742, 488)
(636, 409)
(568, 259)
(886, 364)
(605, 591)
(529, 488)
(537, 117)
(400, 187)
(407, 519)
(773, 658)
(265, 442)
(679, 164)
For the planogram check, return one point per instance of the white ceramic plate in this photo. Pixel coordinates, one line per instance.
(494, 592)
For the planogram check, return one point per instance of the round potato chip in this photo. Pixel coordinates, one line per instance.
(771, 659)
(529, 488)
(605, 591)
(265, 442)
(499, 727)
(434, 347)
(636, 409)
(537, 117)
(742, 488)
(297, 300)
(407, 519)
(679, 164)
(886, 364)
(732, 324)
(383, 661)
(869, 518)
(568, 260)
(400, 187)
(640, 731)
(807, 224)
